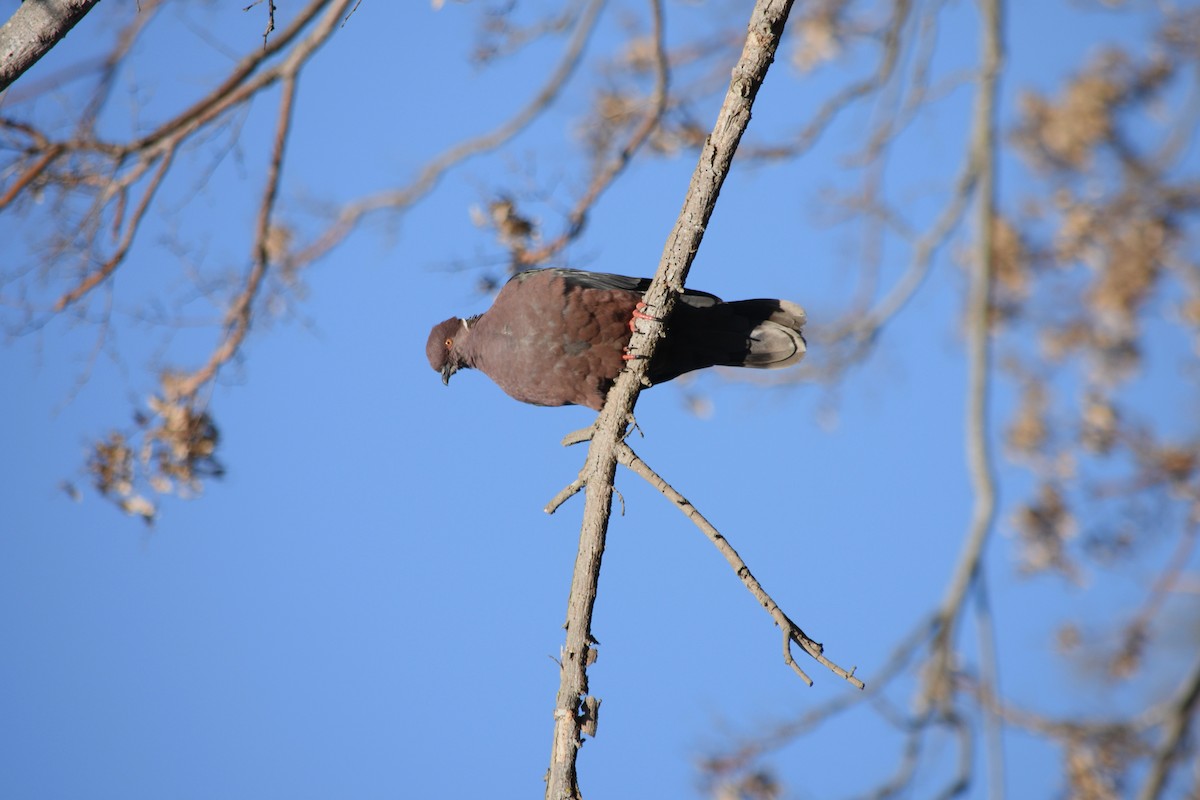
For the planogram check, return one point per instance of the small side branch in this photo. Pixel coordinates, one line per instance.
(570, 490)
(270, 19)
(791, 631)
(105, 270)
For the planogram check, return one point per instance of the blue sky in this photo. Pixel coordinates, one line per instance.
(369, 604)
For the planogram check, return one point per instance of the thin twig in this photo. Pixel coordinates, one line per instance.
(828, 112)
(577, 219)
(35, 169)
(961, 781)
(105, 270)
(781, 735)
(905, 769)
(352, 214)
(791, 631)
(270, 19)
(240, 314)
(126, 39)
(1164, 584)
(570, 490)
(244, 83)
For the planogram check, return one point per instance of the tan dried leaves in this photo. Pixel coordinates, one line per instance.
(818, 33)
(1064, 134)
(1010, 270)
(177, 451)
(1027, 433)
(1045, 525)
(1088, 268)
(1096, 761)
(516, 232)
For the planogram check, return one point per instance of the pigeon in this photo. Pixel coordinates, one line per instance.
(556, 337)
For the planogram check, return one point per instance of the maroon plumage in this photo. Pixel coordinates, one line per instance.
(556, 337)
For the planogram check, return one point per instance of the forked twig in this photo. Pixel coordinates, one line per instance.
(791, 631)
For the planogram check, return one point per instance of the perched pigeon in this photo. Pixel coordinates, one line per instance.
(557, 337)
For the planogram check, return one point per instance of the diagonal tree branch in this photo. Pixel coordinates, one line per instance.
(571, 711)
(32, 30)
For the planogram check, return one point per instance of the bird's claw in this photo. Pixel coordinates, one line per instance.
(639, 314)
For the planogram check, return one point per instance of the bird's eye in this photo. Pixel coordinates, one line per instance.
(449, 343)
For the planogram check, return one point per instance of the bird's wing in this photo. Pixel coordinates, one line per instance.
(607, 280)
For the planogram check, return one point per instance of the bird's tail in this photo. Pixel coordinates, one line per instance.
(777, 338)
(763, 334)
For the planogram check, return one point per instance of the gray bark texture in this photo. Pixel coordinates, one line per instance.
(35, 27)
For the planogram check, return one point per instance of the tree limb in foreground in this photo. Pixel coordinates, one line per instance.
(574, 709)
(32, 30)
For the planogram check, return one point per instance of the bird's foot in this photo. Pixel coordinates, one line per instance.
(639, 314)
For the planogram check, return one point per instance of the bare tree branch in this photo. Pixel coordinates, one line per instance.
(97, 276)
(119, 182)
(978, 320)
(771, 738)
(32, 30)
(123, 165)
(239, 316)
(766, 26)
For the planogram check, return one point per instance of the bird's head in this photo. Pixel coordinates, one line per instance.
(443, 347)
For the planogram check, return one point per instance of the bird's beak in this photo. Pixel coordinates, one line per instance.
(447, 371)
